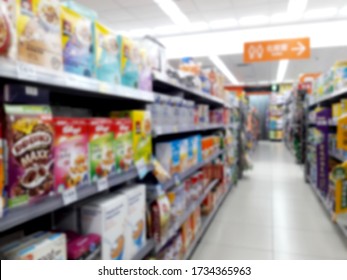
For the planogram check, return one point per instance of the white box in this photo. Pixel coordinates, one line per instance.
(135, 230)
(106, 216)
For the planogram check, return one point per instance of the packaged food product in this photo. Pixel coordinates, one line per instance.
(39, 33)
(145, 71)
(130, 57)
(70, 153)
(168, 154)
(83, 246)
(106, 217)
(29, 136)
(77, 42)
(123, 133)
(340, 77)
(160, 216)
(197, 149)
(107, 54)
(135, 229)
(156, 54)
(8, 36)
(102, 160)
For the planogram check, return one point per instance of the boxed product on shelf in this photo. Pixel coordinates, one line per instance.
(178, 204)
(160, 217)
(142, 133)
(196, 221)
(145, 70)
(70, 153)
(81, 247)
(77, 42)
(156, 54)
(8, 44)
(29, 137)
(106, 216)
(102, 160)
(340, 78)
(129, 57)
(135, 228)
(207, 205)
(39, 33)
(123, 143)
(187, 234)
(169, 156)
(106, 54)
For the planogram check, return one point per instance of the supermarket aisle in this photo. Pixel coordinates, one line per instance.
(272, 214)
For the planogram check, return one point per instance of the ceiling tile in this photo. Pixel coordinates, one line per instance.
(115, 15)
(219, 14)
(155, 22)
(133, 3)
(187, 6)
(147, 11)
(204, 5)
(98, 7)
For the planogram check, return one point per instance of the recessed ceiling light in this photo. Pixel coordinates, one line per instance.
(321, 13)
(284, 17)
(296, 7)
(282, 69)
(222, 67)
(223, 23)
(171, 9)
(254, 20)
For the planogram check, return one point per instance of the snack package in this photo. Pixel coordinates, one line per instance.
(123, 134)
(8, 36)
(142, 133)
(29, 135)
(102, 160)
(106, 217)
(135, 230)
(70, 153)
(169, 156)
(39, 33)
(130, 58)
(77, 43)
(160, 214)
(83, 246)
(107, 54)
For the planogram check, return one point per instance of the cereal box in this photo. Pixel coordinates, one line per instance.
(130, 57)
(135, 229)
(29, 135)
(142, 133)
(102, 160)
(123, 143)
(77, 43)
(38, 33)
(70, 153)
(7, 29)
(107, 54)
(169, 156)
(106, 217)
(197, 149)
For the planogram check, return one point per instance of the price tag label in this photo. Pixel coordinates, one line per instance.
(102, 184)
(70, 196)
(141, 167)
(26, 72)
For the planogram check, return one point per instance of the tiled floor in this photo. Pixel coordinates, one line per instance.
(272, 214)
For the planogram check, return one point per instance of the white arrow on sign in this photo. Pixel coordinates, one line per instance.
(300, 49)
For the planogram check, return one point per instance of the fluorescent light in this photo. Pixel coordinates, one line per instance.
(221, 66)
(223, 23)
(321, 13)
(343, 11)
(282, 69)
(284, 17)
(167, 30)
(196, 26)
(254, 20)
(171, 9)
(296, 7)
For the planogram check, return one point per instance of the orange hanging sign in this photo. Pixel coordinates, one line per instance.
(277, 50)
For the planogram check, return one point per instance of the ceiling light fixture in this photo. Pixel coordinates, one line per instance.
(296, 7)
(254, 20)
(171, 9)
(282, 69)
(222, 67)
(223, 23)
(321, 13)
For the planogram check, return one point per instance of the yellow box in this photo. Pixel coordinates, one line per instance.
(337, 110)
(343, 103)
(39, 33)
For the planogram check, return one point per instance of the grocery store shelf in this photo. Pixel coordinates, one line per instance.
(328, 97)
(322, 199)
(336, 156)
(341, 221)
(204, 226)
(168, 130)
(188, 173)
(186, 215)
(42, 76)
(192, 93)
(22, 214)
(150, 244)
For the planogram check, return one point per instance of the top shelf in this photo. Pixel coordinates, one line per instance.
(328, 98)
(165, 82)
(41, 76)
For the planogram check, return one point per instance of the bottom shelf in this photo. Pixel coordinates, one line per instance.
(150, 244)
(204, 226)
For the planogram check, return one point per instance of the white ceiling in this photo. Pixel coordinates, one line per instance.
(128, 15)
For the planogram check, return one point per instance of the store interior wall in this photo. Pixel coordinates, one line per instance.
(261, 103)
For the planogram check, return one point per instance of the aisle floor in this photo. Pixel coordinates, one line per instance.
(272, 214)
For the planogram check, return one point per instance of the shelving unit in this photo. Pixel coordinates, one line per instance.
(162, 131)
(328, 98)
